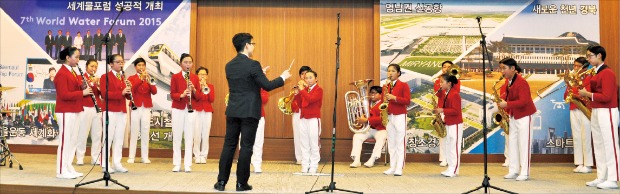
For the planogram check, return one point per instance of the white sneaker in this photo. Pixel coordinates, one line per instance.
(446, 174)
(522, 178)
(398, 173)
(505, 164)
(146, 161)
(594, 182)
(197, 161)
(77, 174)
(258, 169)
(389, 171)
(120, 169)
(370, 163)
(188, 169)
(608, 185)
(578, 168)
(298, 162)
(80, 162)
(304, 169)
(203, 160)
(176, 168)
(585, 170)
(511, 176)
(130, 161)
(66, 176)
(355, 164)
(443, 163)
(312, 170)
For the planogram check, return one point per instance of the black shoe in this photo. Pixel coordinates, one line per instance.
(243, 187)
(220, 185)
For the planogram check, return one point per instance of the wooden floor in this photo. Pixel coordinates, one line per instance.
(38, 176)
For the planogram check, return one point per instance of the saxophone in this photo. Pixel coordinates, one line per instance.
(500, 117)
(438, 123)
(385, 104)
(576, 80)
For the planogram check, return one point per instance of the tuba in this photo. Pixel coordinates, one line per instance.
(501, 116)
(285, 103)
(358, 106)
(438, 123)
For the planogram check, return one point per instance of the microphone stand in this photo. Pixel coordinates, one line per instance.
(485, 181)
(106, 174)
(332, 184)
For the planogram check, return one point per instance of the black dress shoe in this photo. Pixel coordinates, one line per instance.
(243, 187)
(220, 185)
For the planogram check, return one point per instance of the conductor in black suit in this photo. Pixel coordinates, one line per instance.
(245, 78)
(49, 42)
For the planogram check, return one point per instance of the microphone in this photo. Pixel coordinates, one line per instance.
(478, 18)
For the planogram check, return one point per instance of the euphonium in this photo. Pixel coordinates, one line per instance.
(455, 70)
(285, 103)
(358, 106)
(438, 123)
(501, 116)
(384, 106)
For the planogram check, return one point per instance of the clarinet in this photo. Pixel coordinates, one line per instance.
(189, 97)
(92, 96)
(133, 104)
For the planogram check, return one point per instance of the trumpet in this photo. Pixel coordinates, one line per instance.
(92, 96)
(143, 75)
(133, 104)
(204, 86)
(189, 97)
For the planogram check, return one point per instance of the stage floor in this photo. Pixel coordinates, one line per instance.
(277, 177)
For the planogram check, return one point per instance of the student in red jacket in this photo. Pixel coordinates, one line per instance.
(142, 90)
(204, 113)
(115, 87)
(520, 108)
(183, 86)
(310, 122)
(377, 131)
(580, 124)
(296, 113)
(91, 119)
(604, 120)
(450, 108)
(445, 67)
(398, 96)
(257, 149)
(69, 93)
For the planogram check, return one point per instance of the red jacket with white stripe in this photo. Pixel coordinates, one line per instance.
(311, 102)
(205, 103)
(87, 101)
(452, 108)
(142, 91)
(375, 116)
(403, 97)
(264, 96)
(178, 85)
(116, 100)
(519, 100)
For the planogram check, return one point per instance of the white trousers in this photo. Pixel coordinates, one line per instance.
(201, 133)
(582, 138)
(453, 141)
(443, 148)
(116, 136)
(310, 129)
(359, 138)
(396, 131)
(182, 126)
(519, 153)
(68, 131)
(140, 126)
(257, 156)
(296, 137)
(89, 121)
(605, 139)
